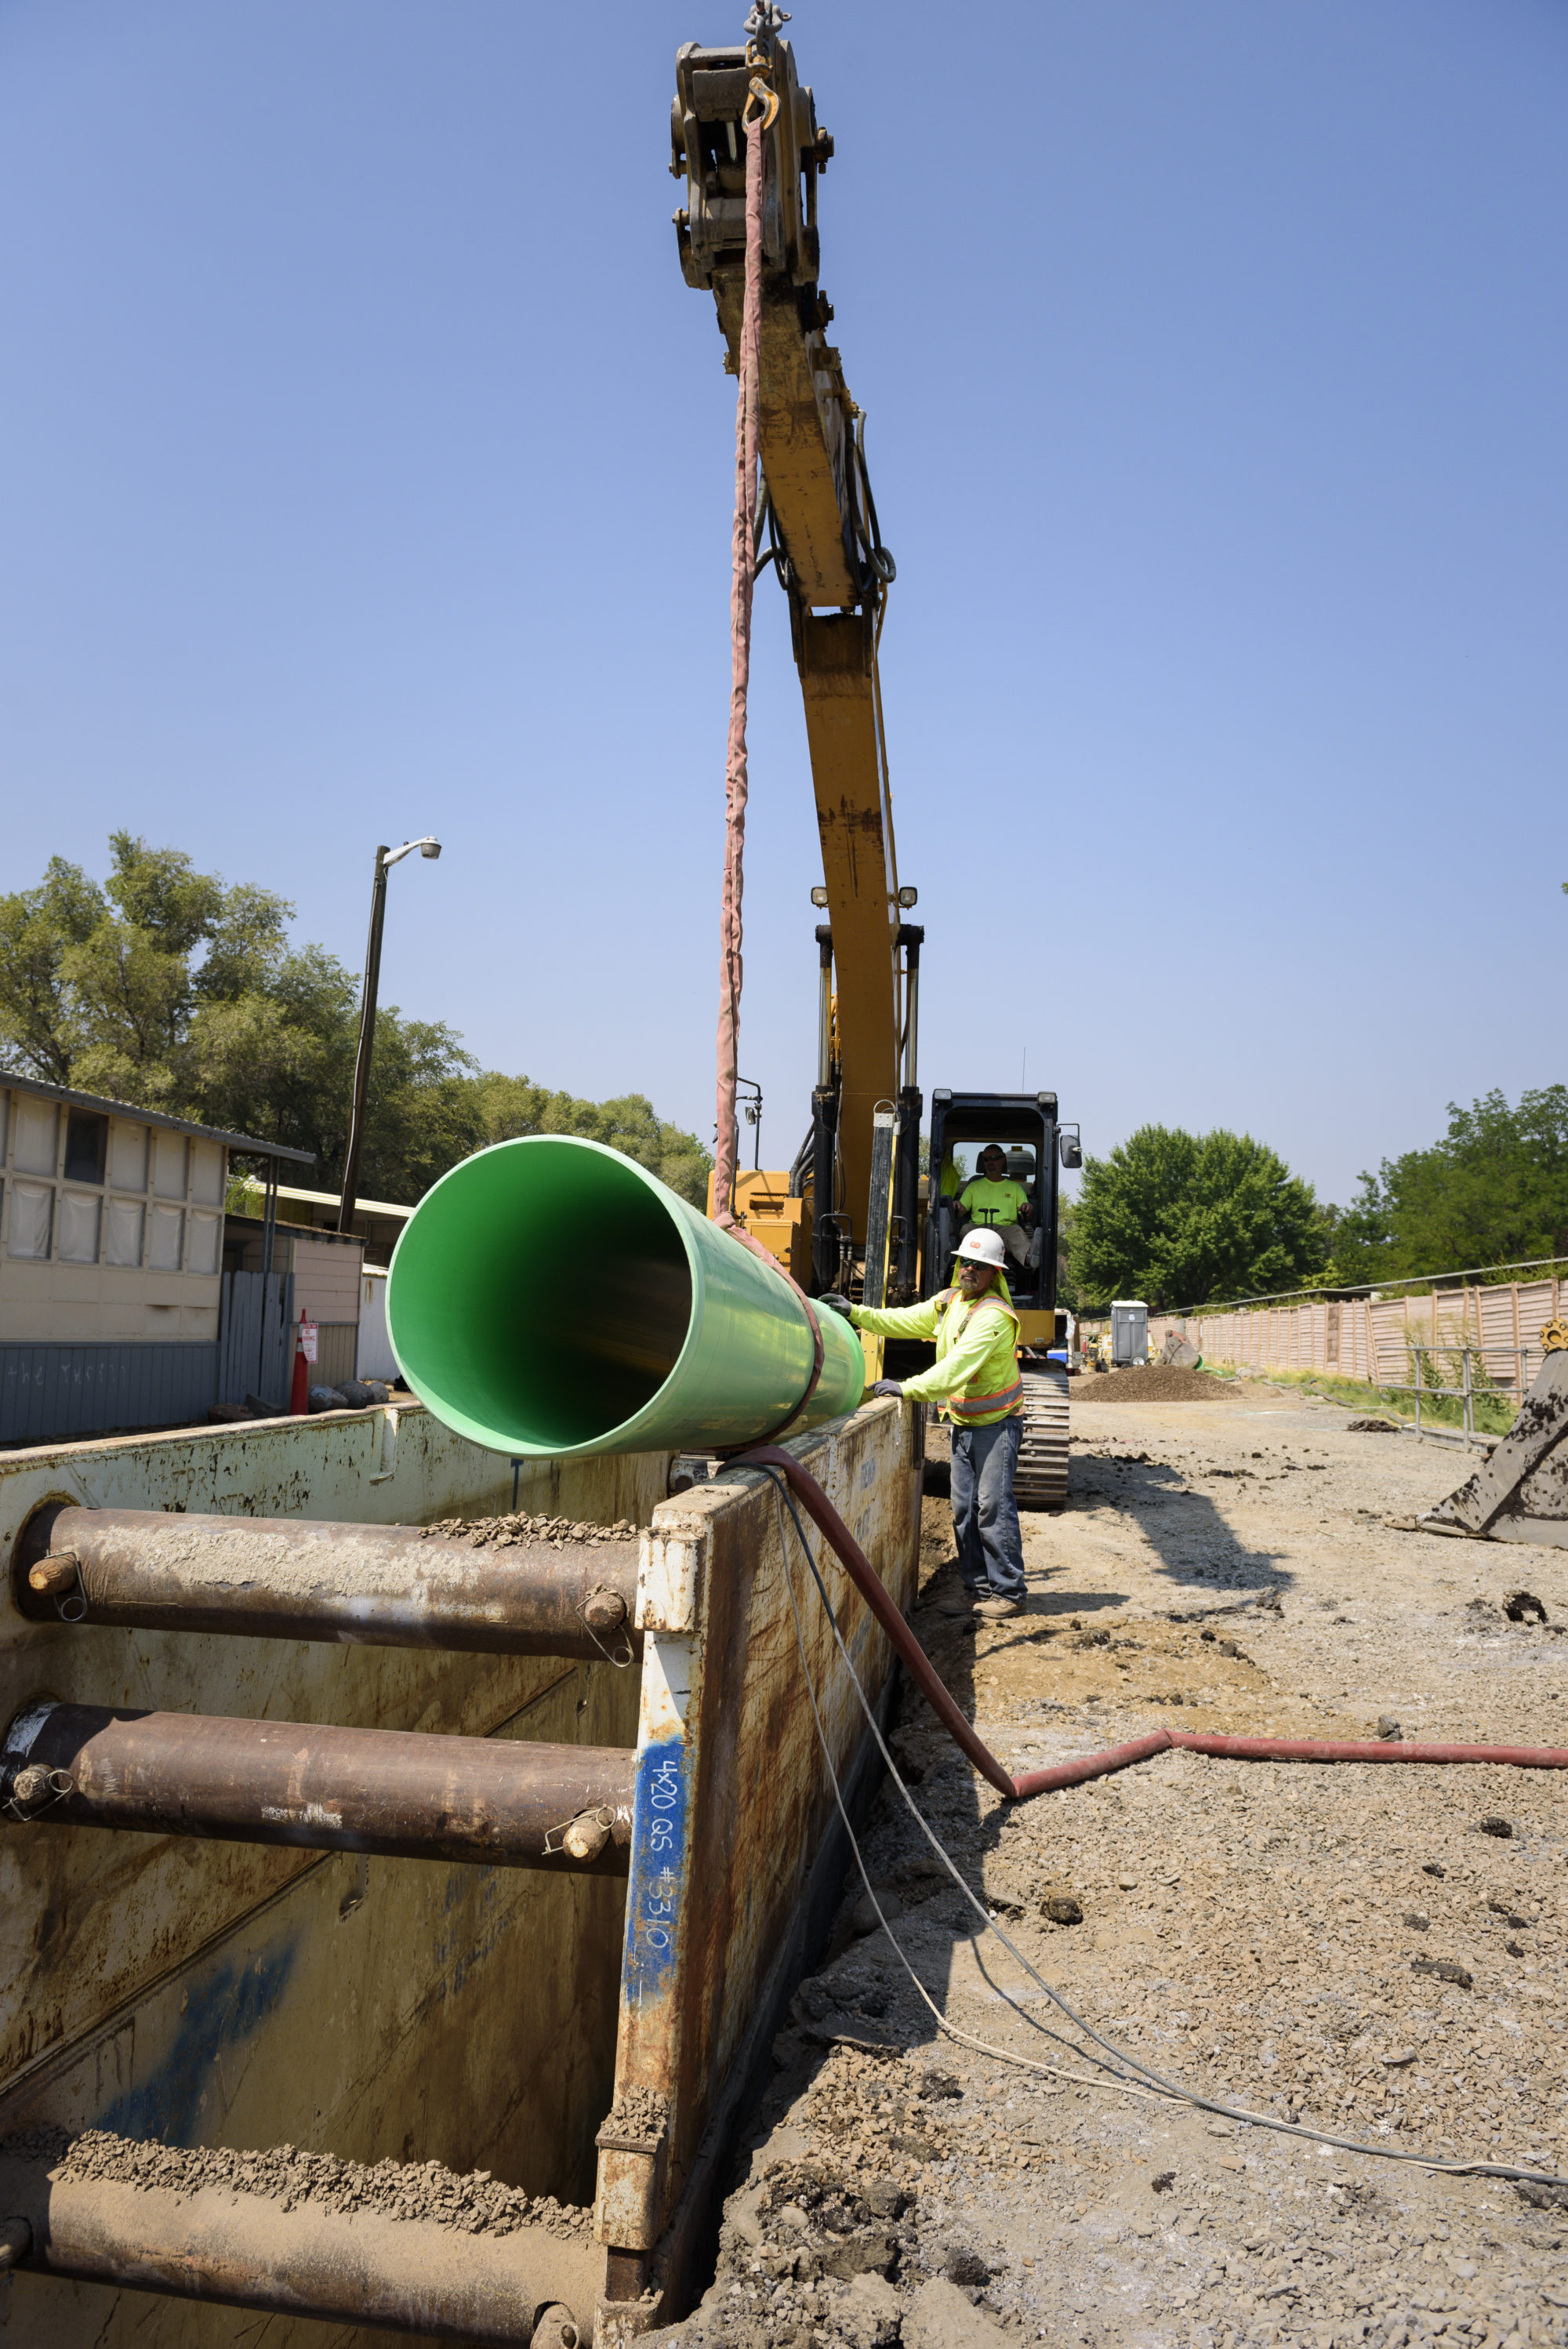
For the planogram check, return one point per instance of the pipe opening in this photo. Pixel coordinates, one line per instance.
(542, 1294)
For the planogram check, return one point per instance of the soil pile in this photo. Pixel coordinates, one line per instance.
(1160, 1383)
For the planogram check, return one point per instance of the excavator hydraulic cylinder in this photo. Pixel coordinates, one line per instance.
(550, 1296)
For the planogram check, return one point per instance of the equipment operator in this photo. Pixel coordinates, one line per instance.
(995, 1199)
(977, 1382)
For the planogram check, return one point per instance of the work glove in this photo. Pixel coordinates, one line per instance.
(836, 1304)
(889, 1387)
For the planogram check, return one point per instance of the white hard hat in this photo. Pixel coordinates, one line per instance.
(981, 1245)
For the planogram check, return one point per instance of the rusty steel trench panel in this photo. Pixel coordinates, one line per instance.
(732, 1803)
(233, 1994)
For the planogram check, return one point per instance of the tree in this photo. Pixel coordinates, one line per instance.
(1181, 1218)
(516, 1105)
(170, 989)
(40, 928)
(1493, 1191)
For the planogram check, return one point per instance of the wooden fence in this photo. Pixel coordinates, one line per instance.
(1373, 1338)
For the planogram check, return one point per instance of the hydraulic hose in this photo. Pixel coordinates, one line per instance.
(927, 1679)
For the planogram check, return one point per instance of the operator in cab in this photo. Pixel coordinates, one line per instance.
(999, 1202)
(976, 1382)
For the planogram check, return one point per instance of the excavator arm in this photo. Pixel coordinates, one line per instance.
(823, 541)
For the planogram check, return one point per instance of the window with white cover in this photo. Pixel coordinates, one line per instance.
(207, 1174)
(32, 1219)
(201, 1243)
(38, 1135)
(169, 1153)
(122, 1241)
(81, 1214)
(128, 1155)
(164, 1238)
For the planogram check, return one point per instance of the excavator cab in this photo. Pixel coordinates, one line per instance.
(1034, 1147)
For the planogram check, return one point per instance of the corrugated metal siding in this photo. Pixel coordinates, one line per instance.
(255, 1358)
(51, 1392)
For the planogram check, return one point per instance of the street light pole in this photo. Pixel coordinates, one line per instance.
(385, 860)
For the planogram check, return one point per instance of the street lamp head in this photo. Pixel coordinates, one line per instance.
(427, 846)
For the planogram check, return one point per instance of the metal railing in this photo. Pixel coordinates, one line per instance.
(1466, 1392)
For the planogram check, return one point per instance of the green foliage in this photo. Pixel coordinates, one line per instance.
(39, 929)
(1493, 1191)
(169, 989)
(1178, 1218)
(516, 1105)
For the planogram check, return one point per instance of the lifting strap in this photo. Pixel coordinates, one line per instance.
(744, 574)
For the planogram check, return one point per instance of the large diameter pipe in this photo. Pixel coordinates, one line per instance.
(282, 1579)
(551, 1297)
(358, 2268)
(497, 1800)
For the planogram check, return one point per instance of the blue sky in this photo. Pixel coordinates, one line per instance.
(367, 470)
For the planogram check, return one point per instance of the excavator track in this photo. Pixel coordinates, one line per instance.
(1041, 1478)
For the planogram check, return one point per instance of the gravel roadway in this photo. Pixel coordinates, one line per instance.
(1267, 1934)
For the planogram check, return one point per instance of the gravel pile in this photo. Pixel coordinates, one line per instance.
(638, 2113)
(1357, 1947)
(477, 2203)
(1159, 1383)
(509, 1532)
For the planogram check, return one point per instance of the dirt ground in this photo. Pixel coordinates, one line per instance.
(1266, 1934)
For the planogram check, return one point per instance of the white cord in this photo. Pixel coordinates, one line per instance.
(1155, 2081)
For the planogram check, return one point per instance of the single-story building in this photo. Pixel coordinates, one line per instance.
(116, 1311)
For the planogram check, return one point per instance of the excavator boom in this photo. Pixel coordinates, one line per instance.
(824, 544)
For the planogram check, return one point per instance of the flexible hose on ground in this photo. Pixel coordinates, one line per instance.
(927, 1679)
(1127, 2075)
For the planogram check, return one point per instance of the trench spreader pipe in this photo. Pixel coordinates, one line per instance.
(287, 1579)
(502, 1801)
(550, 1298)
(359, 2267)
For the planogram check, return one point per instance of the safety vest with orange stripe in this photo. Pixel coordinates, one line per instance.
(994, 1391)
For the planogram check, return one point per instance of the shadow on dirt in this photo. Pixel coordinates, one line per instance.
(1197, 1547)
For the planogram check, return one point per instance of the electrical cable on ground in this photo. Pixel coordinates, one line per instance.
(1146, 2082)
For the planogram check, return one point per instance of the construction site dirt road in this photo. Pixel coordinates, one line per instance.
(1378, 1953)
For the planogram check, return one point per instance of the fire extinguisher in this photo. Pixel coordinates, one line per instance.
(305, 1355)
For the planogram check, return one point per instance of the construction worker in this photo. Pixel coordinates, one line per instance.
(997, 1200)
(977, 1382)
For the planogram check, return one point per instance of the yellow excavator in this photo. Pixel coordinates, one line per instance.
(854, 1214)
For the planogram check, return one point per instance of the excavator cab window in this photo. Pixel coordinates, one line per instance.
(1022, 1129)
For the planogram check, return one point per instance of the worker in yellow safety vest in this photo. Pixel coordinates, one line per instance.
(997, 1200)
(976, 1382)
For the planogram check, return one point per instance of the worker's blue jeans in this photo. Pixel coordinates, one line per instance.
(984, 1514)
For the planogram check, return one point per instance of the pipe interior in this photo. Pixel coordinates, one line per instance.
(544, 1290)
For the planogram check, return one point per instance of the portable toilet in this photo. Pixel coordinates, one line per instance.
(1128, 1332)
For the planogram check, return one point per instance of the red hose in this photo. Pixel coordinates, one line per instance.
(868, 1583)
(1351, 1749)
(883, 1606)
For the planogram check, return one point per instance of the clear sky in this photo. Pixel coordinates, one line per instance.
(366, 463)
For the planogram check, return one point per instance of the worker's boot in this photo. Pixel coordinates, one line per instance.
(962, 1601)
(995, 1610)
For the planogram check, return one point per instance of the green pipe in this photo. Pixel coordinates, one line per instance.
(550, 1296)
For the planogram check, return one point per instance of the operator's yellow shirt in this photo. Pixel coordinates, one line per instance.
(993, 1202)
